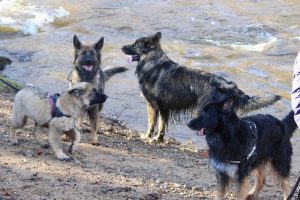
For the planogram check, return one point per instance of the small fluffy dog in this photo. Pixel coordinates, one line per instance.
(58, 112)
(238, 146)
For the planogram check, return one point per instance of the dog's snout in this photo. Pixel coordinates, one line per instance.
(189, 124)
(103, 98)
(89, 60)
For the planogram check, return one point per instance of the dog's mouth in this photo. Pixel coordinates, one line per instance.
(88, 67)
(133, 58)
(201, 132)
(132, 55)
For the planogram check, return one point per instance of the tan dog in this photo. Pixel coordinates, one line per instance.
(58, 112)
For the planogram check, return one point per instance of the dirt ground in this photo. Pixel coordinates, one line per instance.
(122, 167)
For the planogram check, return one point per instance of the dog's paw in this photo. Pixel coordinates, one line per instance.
(64, 158)
(145, 137)
(95, 143)
(158, 139)
(14, 142)
(250, 197)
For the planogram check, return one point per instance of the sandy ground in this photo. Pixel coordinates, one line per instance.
(122, 167)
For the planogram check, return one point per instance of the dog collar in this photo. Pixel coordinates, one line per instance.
(55, 111)
(252, 150)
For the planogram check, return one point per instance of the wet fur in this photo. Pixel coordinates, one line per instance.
(92, 55)
(229, 139)
(171, 90)
(32, 102)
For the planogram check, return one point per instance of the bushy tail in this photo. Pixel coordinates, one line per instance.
(247, 103)
(109, 72)
(289, 123)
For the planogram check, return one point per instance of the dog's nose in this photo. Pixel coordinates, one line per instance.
(89, 60)
(189, 124)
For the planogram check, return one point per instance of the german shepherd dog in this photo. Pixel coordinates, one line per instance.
(87, 68)
(171, 89)
(238, 146)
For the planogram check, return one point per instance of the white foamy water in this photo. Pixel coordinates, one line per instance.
(19, 15)
(255, 47)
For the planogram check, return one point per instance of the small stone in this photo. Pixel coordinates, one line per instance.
(196, 188)
(164, 185)
(158, 181)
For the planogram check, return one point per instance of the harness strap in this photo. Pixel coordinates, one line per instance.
(55, 111)
(252, 152)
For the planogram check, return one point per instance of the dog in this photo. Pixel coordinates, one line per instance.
(57, 112)
(171, 89)
(238, 146)
(87, 68)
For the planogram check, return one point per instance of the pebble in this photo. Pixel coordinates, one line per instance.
(164, 185)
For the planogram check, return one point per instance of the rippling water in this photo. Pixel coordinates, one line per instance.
(253, 43)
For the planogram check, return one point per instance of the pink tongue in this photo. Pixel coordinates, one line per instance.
(129, 59)
(88, 67)
(201, 132)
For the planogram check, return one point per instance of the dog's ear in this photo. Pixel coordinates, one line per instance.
(228, 104)
(76, 92)
(76, 42)
(98, 45)
(154, 39)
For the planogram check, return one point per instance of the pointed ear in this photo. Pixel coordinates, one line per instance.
(76, 42)
(98, 46)
(76, 92)
(155, 38)
(228, 104)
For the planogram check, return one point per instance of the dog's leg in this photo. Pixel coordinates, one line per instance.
(94, 121)
(17, 121)
(13, 135)
(75, 137)
(152, 119)
(222, 183)
(54, 139)
(242, 190)
(260, 179)
(80, 123)
(162, 125)
(285, 184)
(37, 134)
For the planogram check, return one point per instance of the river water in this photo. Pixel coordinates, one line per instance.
(253, 43)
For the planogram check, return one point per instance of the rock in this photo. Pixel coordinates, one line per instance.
(164, 186)
(151, 196)
(158, 181)
(176, 185)
(196, 188)
(4, 61)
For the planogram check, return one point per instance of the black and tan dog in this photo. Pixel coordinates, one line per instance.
(171, 89)
(87, 68)
(238, 146)
(58, 112)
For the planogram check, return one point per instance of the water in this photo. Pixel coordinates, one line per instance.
(253, 43)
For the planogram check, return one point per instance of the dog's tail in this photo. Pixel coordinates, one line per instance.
(289, 123)
(247, 103)
(109, 72)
